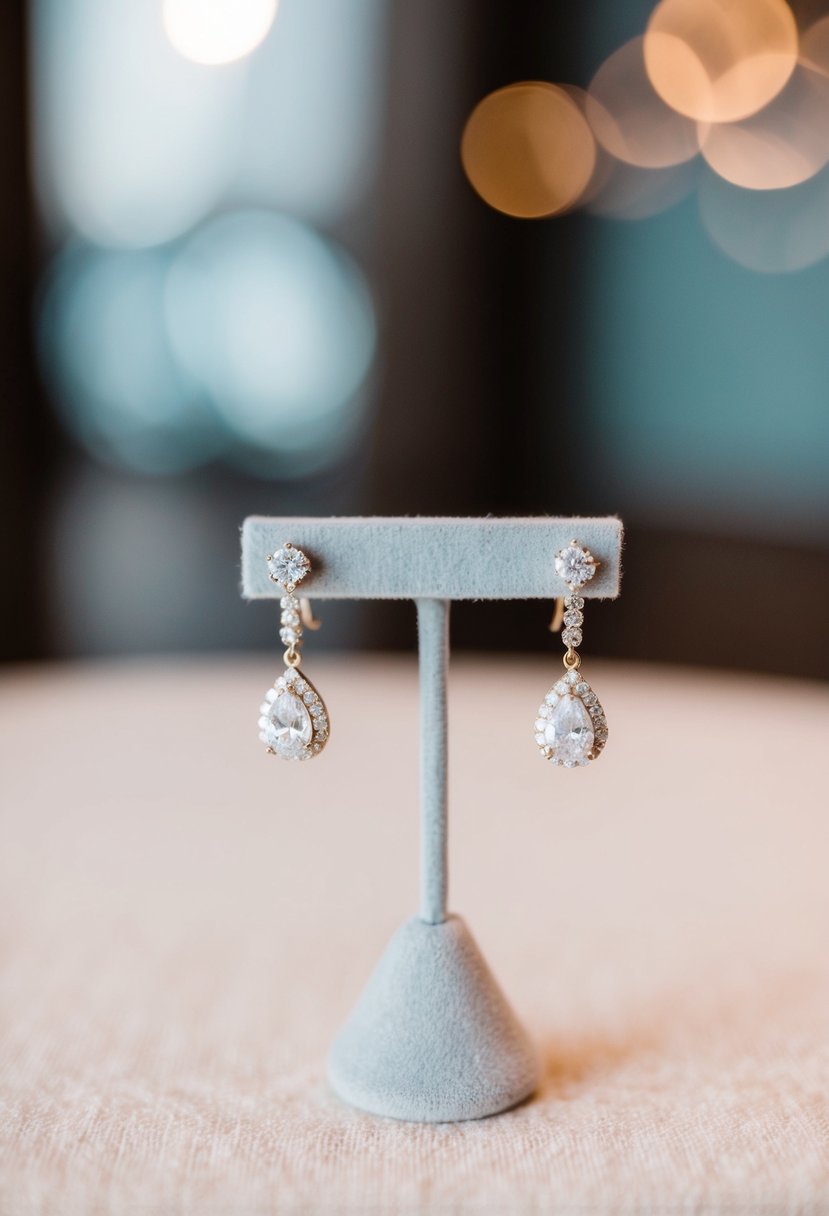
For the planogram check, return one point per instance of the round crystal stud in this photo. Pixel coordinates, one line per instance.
(575, 564)
(288, 566)
(571, 636)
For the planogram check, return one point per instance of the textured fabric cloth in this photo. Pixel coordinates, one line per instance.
(186, 923)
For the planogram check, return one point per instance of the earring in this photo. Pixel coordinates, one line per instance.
(294, 721)
(571, 727)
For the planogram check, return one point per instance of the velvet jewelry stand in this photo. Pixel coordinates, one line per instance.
(432, 1037)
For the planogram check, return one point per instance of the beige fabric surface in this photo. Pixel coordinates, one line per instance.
(186, 921)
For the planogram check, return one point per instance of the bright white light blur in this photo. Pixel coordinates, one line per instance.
(105, 352)
(277, 326)
(133, 144)
(314, 120)
(217, 31)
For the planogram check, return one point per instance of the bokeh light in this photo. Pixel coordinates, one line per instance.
(249, 342)
(107, 358)
(814, 46)
(783, 145)
(133, 144)
(771, 231)
(276, 325)
(720, 60)
(626, 192)
(310, 137)
(217, 31)
(297, 127)
(724, 78)
(528, 150)
(629, 118)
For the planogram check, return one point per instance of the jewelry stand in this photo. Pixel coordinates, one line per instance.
(432, 1038)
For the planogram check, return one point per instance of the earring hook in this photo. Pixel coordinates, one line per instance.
(558, 615)
(307, 614)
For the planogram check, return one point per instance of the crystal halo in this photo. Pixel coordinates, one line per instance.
(293, 722)
(570, 727)
(575, 564)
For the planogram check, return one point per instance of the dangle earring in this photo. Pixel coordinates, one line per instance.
(571, 728)
(294, 721)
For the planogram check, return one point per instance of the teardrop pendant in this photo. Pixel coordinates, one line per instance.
(571, 728)
(294, 720)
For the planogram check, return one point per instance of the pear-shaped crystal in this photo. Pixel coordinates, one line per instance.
(569, 731)
(288, 730)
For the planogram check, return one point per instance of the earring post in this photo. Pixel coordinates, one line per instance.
(433, 649)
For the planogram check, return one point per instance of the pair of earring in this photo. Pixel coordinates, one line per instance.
(570, 726)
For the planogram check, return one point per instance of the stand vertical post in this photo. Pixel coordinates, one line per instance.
(433, 649)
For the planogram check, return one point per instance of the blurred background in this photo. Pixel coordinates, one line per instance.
(247, 269)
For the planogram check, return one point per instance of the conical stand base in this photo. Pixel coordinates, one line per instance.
(432, 1038)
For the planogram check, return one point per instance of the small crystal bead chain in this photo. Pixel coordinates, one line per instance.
(290, 632)
(571, 634)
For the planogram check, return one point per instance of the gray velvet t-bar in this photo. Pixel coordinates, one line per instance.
(431, 561)
(432, 1037)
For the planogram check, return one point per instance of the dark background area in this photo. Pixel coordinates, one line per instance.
(483, 401)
